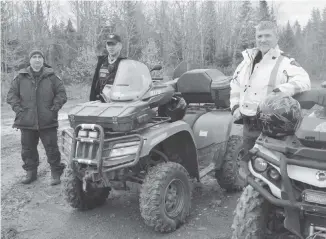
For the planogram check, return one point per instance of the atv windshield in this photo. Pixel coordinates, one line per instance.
(132, 81)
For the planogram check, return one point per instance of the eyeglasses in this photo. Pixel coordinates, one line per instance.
(111, 43)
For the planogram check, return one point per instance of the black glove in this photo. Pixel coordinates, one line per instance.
(54, 108)
(234, 108)
(276, 90)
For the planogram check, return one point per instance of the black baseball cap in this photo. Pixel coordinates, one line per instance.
(113, 38)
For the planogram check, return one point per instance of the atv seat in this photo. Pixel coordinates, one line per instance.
(310, 98)
(205, 86)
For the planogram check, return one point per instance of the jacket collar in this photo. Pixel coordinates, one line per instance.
(46, 71)
(250, 54)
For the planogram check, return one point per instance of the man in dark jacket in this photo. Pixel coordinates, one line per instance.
(36, 95)
(107, 67)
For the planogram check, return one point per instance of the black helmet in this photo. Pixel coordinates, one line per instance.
(175, 109)
(279, 114)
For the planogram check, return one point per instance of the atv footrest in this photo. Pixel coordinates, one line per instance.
(207, 170)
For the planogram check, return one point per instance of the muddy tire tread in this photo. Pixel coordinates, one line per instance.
(150, 197)
(228, 177)
(248, 215)
(77, 198)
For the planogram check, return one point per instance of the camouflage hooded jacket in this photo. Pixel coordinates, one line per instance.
(36, 102)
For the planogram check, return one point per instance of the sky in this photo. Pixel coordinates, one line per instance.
(286, 10)
(300, 10)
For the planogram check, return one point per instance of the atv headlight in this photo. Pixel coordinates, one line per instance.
(82, 133)
(260, 164)
(123, 149)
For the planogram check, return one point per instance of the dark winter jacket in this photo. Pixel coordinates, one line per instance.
(36, 102)
(96, 87)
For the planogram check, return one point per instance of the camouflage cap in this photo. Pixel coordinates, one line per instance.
(113, 38)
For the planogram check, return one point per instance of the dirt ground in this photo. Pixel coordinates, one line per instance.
(40, 211)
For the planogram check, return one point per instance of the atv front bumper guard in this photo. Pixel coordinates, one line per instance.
(287, 188)
(284, 203)
(130, 159)
(291, 206)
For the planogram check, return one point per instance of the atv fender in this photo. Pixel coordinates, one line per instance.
(213, 128)
(173, 138)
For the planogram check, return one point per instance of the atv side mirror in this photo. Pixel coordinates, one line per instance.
(156, 68)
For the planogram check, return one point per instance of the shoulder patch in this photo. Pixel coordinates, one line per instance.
(295, 63)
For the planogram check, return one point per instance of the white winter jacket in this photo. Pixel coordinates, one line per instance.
(249, 88)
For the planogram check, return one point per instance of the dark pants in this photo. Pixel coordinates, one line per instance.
(30, 156)
(251, 132)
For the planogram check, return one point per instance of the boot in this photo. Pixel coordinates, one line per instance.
(31, 176)
(55, 180)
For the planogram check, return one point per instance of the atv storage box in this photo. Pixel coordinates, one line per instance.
(115, 117)
(205, 86)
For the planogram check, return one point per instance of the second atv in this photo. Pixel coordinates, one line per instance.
(286, 195)
(126, 139)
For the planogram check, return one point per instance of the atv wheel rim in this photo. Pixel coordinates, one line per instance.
(174, 198)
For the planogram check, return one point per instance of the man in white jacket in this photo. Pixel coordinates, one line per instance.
(264, 69)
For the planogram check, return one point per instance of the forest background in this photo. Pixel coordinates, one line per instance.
(207, 34)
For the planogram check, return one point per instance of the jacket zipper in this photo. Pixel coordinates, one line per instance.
(37, 123)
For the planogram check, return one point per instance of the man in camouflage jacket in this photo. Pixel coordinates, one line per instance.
(36, 95)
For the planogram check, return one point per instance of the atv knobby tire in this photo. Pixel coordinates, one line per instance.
(250, 216)
(79, 199)
(155, 197)
(228, 175)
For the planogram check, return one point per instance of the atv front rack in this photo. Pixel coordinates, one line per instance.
(154, 121)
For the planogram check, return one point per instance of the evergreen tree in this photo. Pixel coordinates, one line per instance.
(272, 15)
(244, 35)
(316, 39)
(133, 20)
(56, 51)
(322, 38)
(298, 38)
(287, 40)
(263, 11)
(150, 55)
(209, 22)
(70, 35)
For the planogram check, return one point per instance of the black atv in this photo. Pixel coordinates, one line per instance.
(134, 137)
